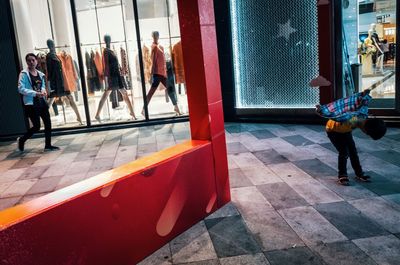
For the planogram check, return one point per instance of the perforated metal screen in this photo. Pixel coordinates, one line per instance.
(275, 47)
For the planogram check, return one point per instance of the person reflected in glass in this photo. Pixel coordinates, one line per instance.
(113, 79)
(31, 85)
(159, 73)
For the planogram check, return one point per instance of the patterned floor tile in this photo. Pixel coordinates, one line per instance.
(249, 200)
(294, 256)
(297, 140)
(381, 185)
(8, 202)
(234, 148)
(44, 185)
(281, 196)
(315, 168)
(342, 253)
(312, 227)
(388, 217)
(227, 210)
(314, 192)
(238, 179)
(193, 245)
(270, 230)
(263, 134)
(260, 175)
(383, 249)
(270, 156)
(24, 163)
(349, 220)
(231, 237)
(256, 259)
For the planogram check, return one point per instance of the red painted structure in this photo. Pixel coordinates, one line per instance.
(121, 216)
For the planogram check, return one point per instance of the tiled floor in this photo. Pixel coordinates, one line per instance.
(286, 205)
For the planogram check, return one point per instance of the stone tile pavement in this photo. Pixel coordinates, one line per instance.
(286, 205)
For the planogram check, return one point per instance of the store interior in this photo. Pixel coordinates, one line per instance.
(370, 40)
(37, 21)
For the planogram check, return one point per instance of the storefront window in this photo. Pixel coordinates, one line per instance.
(45, 28)
(110, 58)
(275, 48)
(162, 58)
(370, 40)
(108, 43)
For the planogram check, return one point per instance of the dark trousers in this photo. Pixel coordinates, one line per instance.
(34, 113)
(157, 79)
(344, 144)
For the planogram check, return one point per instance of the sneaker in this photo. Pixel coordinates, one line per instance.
(20, 144)
(51, 148)
(363, 178)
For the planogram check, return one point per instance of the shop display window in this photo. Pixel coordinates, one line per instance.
(109, 48)
(369, 48)
(46, 29)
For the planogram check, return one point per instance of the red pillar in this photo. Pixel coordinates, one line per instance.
(200, 53)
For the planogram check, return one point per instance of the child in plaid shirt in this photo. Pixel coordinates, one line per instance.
(345, 115)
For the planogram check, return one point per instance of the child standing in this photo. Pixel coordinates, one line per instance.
(345, 115)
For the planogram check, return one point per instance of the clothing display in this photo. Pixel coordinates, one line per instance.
(112, 70)
(55, 76)
(177, 58)
(93, 77)
(69, 72)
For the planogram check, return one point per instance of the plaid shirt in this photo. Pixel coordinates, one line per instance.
(344, 109)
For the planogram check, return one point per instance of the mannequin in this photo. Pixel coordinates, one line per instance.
(367, 57)
(159, 72)
(379, 53)
(56, 80)
(113, 79)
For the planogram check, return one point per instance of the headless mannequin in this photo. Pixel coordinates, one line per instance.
(107, 40)
(68, 97)
(376, 42)
(367, 58)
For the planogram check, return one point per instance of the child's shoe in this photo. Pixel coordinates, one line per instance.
(344, 180)
(363, 178)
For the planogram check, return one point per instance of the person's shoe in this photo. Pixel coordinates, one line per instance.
(20, 144)
(344, 180)
(363, 178)
(51, 148)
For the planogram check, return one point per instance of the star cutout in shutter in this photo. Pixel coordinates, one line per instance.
(285, 30)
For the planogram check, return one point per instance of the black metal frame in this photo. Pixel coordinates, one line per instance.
(106, 126)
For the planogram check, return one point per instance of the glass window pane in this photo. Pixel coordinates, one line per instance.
(109, 46)
(37, 21)
(163, 61)
(370, 34)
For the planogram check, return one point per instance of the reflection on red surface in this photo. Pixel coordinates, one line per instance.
(121, 216)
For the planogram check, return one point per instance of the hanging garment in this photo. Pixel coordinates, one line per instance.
(112, 69)
(99, 65)
(69, 73)
(124, 63)
(55, 76)
(147, 63)
(177, 59)
(158, 60)
(93, 80)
